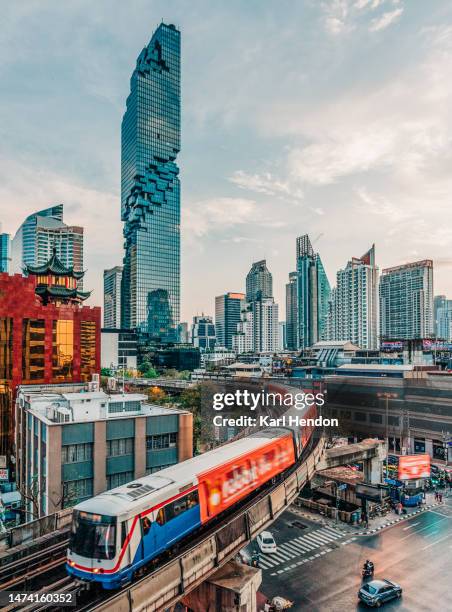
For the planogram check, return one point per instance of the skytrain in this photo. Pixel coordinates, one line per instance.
(118, 533)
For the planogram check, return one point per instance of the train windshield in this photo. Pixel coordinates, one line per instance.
(93, 535)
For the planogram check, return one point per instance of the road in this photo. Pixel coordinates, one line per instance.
(415, 553)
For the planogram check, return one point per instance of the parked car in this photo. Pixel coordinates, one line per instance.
(266, 542)
(377, 592)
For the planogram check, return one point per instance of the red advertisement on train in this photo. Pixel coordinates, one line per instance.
(226, 484)
(412, 467)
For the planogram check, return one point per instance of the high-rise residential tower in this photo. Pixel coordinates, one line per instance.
(150, 192)
(354, 303)
(228, 308)
(442, 318)
(406, 301)
(112, 297)
(259, 282)
(203, 333)
(307, 296)
(291, 312)
(39, 234)
(5, 252)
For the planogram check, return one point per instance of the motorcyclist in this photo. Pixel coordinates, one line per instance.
(368, 566)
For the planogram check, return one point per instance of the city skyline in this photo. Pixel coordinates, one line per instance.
(260, 170)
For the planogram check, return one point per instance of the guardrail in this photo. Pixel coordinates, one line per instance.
(170, 583)
(35, 529)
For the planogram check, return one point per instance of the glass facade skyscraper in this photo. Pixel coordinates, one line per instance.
(40, 233)
(259, 282)
(5, 252)
(150, 191)
(307, 293)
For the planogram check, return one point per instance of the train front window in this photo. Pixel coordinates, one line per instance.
(93, 535)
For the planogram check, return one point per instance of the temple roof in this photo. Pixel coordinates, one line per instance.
(54, 266)
(62, 293)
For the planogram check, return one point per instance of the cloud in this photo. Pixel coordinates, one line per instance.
(380, 23)
(217, 214)
(344, 16)
(265, 183)
(324, 162)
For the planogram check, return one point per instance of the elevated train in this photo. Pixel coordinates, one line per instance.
(119, 532)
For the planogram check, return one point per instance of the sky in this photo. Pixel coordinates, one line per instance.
(326, 117)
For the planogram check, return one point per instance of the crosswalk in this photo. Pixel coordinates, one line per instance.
(301, 545)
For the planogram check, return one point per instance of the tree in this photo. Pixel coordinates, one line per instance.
(147, 370)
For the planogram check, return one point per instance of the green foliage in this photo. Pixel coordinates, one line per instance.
(105, 372)
(147, 370)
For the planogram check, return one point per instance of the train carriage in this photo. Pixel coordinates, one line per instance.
(118, 532)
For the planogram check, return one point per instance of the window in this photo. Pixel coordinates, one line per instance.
(116, 480)
(376, 418)
(62, 349)
(121, 446)
(75, 490)
(360, 416)
(180, 505)
(33, 350)
(161, 441)
(73, 453)
(88, 331)
(160, 517)
(145, 525)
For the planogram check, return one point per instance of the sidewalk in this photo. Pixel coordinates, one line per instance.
(376, 524)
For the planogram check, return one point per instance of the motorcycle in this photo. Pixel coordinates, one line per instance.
(368, 571)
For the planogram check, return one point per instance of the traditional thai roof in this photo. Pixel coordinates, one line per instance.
(54, 266)
(62, 293)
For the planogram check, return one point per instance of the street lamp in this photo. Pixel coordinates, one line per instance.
(387, 396)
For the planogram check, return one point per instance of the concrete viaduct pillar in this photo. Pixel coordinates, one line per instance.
(233, 587)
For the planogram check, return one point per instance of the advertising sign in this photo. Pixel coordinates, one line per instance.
(414, 466)
(2, 461)
(4, 474)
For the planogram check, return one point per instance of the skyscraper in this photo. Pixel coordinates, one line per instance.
(354, 305)
(150, 193)
(203, 333)
(5, 252)
(112, 297)
(40, 233)
(259, 281)
(312, 292)
(228, 308)
(442, 318)
(406, 301)
(291, 312)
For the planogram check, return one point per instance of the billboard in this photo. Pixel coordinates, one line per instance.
(225, 484)
(414, 466)
(4, 474)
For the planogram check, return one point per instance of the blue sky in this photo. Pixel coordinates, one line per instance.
(331, 118)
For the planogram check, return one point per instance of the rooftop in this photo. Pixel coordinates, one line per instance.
(86, 406)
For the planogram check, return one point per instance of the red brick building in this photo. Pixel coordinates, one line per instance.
(46, 336)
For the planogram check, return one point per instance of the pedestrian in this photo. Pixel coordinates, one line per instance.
(440, 497)
(436, 495)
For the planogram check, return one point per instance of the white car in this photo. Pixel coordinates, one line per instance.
(266, 542)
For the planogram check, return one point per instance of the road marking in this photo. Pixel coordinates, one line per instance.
(437, 541)
(423, 529)
(410, 526)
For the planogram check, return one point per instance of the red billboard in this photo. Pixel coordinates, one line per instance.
(412, 467)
